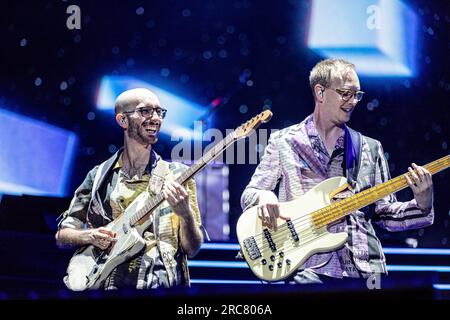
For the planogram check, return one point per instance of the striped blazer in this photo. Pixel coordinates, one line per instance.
(290, 162)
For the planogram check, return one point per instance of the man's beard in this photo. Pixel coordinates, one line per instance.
(135, 132)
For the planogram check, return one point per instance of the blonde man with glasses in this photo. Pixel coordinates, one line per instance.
(323, 146)
(174, 233)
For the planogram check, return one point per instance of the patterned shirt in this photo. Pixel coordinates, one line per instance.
(339, 261)
(146, 270)
(296, 158)
(162, 262)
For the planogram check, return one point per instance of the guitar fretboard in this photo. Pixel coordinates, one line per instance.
(360, 200)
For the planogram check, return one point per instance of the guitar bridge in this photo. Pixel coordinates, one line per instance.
(252, 248)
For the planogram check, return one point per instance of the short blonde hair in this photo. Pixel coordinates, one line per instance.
(325, 71)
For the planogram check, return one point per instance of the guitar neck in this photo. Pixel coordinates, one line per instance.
(209, 156)
(360, 200)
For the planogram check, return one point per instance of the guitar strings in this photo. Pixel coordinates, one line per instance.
(303, 233)
(305, 219)
(306, 234)
(154, 201)
(291, 247)
(336, 205)
(213, 152)
(299, 223)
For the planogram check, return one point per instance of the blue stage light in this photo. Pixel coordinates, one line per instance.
(181, 114)
(417, 251)
(378, 36)
(224, 281)
(217, 264)
(411, 251)
(36, 157)
(442, 286)
(243, 265)
(418, 268)
(220, 246)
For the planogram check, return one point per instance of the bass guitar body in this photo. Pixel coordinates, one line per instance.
(274, 255)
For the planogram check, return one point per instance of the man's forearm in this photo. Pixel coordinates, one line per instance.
(191, 237)
(72, 237)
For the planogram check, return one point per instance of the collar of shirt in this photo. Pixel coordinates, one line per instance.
(319, 146)
(153, 161)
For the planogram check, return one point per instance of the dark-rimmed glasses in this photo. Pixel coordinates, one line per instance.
(347, 94)
(148, 112)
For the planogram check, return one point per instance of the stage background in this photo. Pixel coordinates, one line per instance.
(231, 58)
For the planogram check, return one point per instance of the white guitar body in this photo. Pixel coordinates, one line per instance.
(90, 266)
(287, 254)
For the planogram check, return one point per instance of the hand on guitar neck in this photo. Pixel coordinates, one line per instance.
(178, 199)
(422, 185)
(177, 196)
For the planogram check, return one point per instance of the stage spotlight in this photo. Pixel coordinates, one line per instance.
(36, 157)
(181, 114)
(378, 36)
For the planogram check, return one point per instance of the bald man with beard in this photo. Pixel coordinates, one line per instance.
(112, 186)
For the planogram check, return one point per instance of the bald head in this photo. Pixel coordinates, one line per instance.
(130, 99)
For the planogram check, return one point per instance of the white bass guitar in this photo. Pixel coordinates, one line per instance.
(275, 255)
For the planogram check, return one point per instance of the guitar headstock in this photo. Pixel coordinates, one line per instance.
(246, 128)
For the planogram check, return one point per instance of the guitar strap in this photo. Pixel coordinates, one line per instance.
(352, 156)
(158, 176)
(98, 175)
(155, 185)
(156, 181)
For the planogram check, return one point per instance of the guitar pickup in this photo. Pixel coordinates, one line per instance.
(269, 239)
(252, 248)
(292, 230)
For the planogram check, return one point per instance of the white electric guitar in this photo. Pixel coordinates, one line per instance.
(90, 266)
(275, 255)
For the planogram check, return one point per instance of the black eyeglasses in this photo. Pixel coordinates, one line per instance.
(347, 94)
(148, 112)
